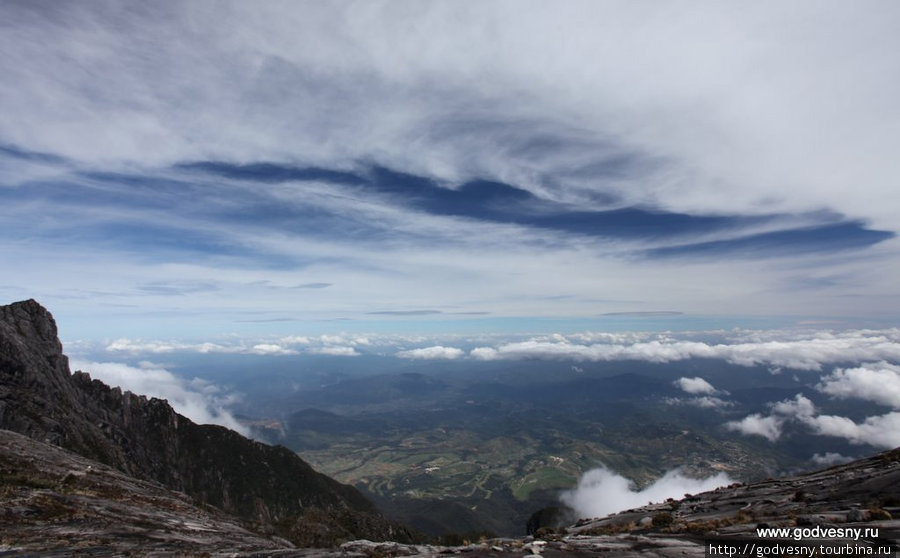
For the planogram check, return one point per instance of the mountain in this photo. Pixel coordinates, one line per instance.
(269, 487)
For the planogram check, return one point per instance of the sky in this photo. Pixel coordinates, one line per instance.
(207, 172)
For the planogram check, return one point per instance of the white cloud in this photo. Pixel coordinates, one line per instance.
(811, 351)
(343, 339)
(242, 346)
(437, 352)
(800, 407)
(653, 351)
(872, 382)
(295, 340)
(161, 347)
(601, 492)
(880, 431)
(333, 339)
(879, 383)
(612, 338)
(769, 427)
(804, 354)
(198, 400)
(128, 345)
(695, 385)
(334, 351)
(704, 390)
(721, 104)
(271, 349)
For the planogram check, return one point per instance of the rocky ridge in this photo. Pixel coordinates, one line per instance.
(268, 486)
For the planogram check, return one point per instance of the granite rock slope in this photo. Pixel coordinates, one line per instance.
(55, 501)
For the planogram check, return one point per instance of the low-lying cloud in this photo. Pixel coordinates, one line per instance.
(695, 386)
(776, 349)
(335, 351)
(437, 352)
(879, 383)
(199, 400)
(769, 427)
(601, 492)
(338, 345)
(809, 353)
(881, 431)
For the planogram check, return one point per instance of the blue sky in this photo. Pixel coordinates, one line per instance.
(192, 170)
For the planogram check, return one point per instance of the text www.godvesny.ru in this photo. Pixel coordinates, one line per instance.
(817, 532)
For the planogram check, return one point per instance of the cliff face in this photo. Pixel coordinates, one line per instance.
(268, 485)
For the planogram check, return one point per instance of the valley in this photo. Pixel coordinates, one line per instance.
(482, 447)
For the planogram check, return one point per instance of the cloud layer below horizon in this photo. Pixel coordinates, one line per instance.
(861, 366)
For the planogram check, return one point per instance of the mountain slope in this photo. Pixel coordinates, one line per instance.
(267, 485)
(55, 500)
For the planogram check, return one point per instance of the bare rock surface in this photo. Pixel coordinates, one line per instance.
(53, 501)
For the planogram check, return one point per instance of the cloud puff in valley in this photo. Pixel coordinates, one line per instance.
(695, 386)
(601, 492)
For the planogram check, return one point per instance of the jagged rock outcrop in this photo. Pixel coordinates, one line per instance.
(145, 438)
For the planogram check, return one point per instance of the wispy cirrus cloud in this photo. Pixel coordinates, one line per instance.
(622, 123)
(357, 169)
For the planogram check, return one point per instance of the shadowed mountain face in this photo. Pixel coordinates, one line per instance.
(269, 486)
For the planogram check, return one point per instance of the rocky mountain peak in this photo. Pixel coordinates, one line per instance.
(28, 335)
